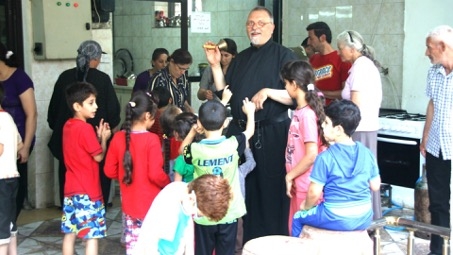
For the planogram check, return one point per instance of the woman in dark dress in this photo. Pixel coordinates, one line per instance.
(20, 102)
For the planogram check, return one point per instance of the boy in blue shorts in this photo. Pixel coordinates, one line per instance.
(218, 155)
(83, 149)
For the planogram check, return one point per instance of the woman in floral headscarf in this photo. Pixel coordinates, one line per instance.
(88, 59)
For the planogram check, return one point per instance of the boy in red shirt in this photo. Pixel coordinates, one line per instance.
(83, 149)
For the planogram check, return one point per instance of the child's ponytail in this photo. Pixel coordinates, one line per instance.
(316, 104)
(127, 160)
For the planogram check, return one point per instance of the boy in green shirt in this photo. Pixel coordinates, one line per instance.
(218, 155)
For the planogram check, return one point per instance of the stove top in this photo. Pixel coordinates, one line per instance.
(387, 111)
(406, 116)
(400, 123)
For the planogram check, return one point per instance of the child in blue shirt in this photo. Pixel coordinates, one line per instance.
(345, 173)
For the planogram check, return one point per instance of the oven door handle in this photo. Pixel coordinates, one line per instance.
(397, 141)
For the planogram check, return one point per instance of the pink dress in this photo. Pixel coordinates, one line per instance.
(303, 129)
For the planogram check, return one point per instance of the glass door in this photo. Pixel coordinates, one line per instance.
(11, 27)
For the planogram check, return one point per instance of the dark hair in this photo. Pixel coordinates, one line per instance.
(304, 43)
(78, 92)
(183, 123)
(321, 28)
(157, 52)
(232, 48)
(302, 74)
(344, 113)
(262, 8)
(212, 115)
(213, 195)
(181, 56)
(167, 119)
(8, 57)
(2, 93)
(139, 104)
(162, 96)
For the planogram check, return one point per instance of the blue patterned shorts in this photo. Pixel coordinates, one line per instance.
(84, 217)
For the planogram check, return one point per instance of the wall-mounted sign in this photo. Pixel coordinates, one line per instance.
(200, 22)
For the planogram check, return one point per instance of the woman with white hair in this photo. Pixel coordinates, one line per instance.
(364, 88)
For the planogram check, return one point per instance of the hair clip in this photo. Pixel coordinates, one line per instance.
(152, 98)
(310, 87)
(8, 54)
(132, 104)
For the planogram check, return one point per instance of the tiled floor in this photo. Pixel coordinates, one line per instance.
(394, 239)
(394, 242)
(39, 234)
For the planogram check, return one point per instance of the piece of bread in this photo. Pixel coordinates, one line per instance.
(209, 46)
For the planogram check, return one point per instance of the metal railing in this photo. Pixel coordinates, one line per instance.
(411, 227)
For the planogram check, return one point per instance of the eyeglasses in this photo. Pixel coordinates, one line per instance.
(350, 37)
(182, 68)
(259, 24)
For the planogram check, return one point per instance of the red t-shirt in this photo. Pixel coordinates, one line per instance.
(80, 145)
(148, 176)
(330, 71)
(174, 148)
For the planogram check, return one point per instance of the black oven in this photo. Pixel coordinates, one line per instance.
(399, 160)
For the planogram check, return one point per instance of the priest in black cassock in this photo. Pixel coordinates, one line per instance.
(255, 73)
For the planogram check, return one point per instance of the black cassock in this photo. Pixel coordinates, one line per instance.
(266, 200)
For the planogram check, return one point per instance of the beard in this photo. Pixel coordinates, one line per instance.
(255, 40)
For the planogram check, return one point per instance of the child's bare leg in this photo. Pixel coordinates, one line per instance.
(12, 247)
(91, 247)
(4, 249)
(68, 244)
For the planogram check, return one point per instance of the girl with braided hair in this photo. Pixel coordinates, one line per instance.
(135, 160)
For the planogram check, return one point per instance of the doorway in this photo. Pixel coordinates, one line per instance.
(11, 34)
